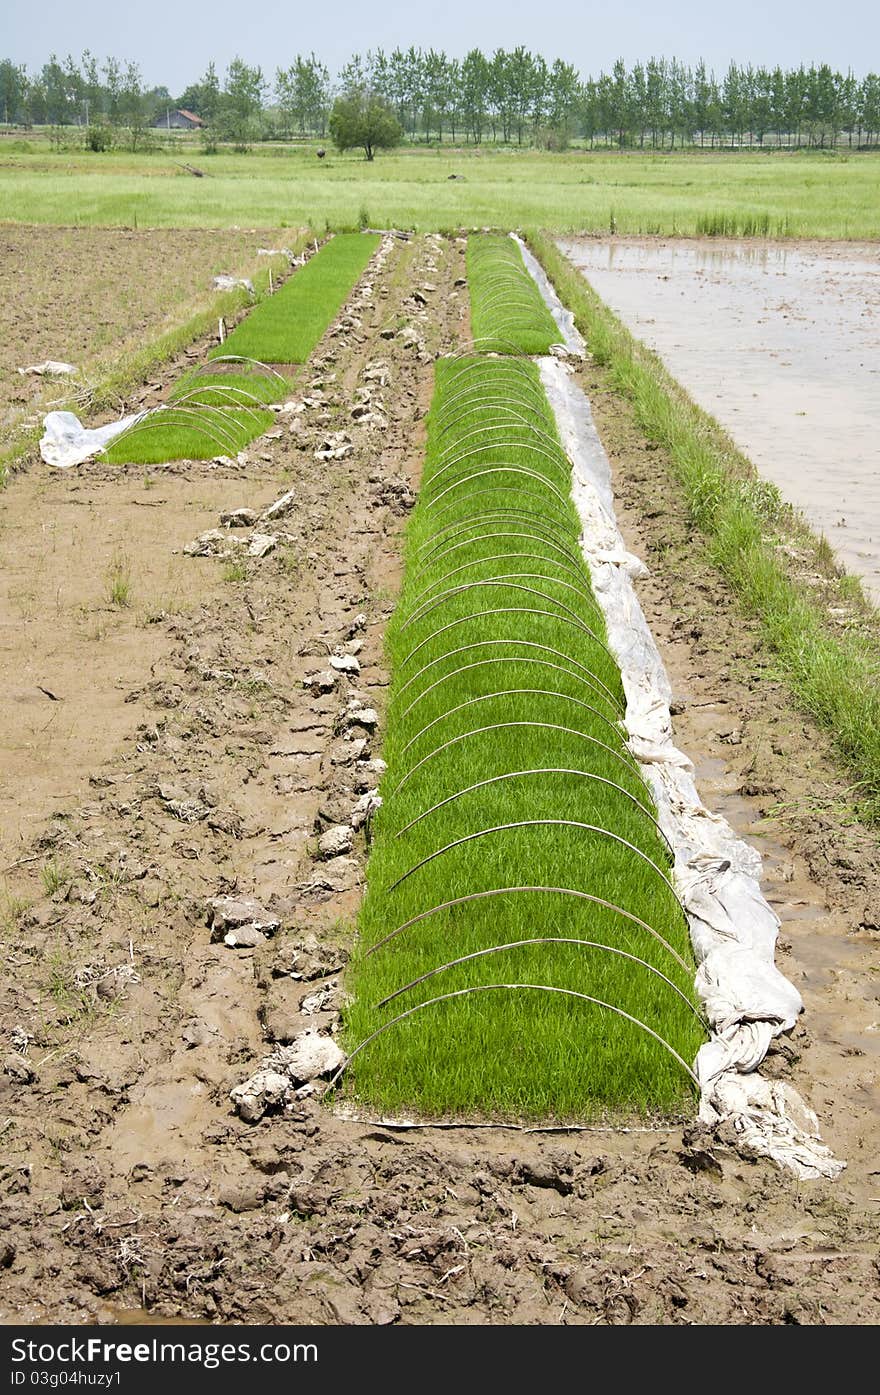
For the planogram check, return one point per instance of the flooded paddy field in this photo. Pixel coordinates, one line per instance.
(781, 344)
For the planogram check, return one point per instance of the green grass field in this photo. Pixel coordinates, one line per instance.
(803, 194)
(507, 312)
(286, 327)
(513, 811)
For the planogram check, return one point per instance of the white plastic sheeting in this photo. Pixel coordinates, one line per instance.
(225, 282)
(65, 441)
(571, 335)
(746, 1000)
(51, 368)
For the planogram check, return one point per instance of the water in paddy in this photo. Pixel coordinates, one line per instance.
(781, 343)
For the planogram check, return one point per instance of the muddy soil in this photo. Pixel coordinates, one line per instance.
(87, 296)
(130, 1186)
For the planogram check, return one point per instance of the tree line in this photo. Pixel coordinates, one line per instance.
(513, 96)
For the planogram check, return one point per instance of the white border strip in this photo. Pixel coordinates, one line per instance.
(571, 335)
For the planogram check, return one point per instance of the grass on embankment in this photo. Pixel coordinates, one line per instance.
(505, 709)
(508, 314)
(836, 676)
(286, 328)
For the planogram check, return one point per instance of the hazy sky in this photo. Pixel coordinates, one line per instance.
(174, 40)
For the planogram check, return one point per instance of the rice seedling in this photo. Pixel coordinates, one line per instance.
(738, 224)
(519, 919)
(211, 411)
(507, 311)
(219, 410)
(54, 876)
(286, 327)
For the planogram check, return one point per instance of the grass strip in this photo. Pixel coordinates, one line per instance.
(804, 193)
(286, 328)
(508, 314)
(516, 835)
(747, 527)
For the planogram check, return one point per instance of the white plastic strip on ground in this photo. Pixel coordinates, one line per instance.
(745, 998)
(571, 335)
(65, 441)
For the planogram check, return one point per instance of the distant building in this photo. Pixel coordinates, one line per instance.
(179, 120)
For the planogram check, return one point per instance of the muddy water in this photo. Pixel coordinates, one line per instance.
(781, 343)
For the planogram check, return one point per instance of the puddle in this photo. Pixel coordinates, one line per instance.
(781, 343)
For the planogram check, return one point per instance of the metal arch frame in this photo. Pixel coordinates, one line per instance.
(503, 726)
(515, 987)
(541, 823)
(150, 421)
(254, 404)
(499, 278)
(427, 606)
(537, 398)
(514, 692)
(541, 890)
(188, 403)
(471, 358)
(539, 770)
(525, 325)
(614, 703)
(481, 398)
(542, 940)
(514, 312)
(473, 350)
(493, 518)
(423, 595)
(493, 404)
(499, 263)
(483, 537)
(507, 296)
(614, 724)
(562, 532)
(255, 362)
(500, 469)
(505, 424)
(509, 610)
(500, 287)
(185, 405)
(537, 449)
(564, 516)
